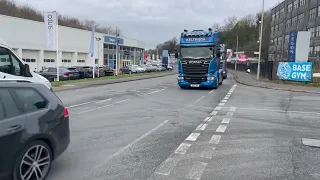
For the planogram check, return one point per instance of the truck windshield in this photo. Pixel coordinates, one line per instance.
(196, 52)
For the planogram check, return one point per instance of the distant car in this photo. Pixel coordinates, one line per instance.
(34, 130)
(138, 68)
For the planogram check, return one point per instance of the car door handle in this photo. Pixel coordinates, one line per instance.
(14, 128)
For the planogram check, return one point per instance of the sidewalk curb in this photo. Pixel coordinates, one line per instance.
(112, 81)
(273, 88)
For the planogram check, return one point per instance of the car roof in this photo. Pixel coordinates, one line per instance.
(20, 83)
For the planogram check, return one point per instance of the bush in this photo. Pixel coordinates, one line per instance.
(10, 8)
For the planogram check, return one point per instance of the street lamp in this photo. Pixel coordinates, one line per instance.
(98, 39)
(260, 40)
(117, 50)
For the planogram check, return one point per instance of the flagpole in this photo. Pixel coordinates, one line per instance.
(57, 46)
(117, 51)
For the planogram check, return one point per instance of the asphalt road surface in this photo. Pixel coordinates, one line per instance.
(151, 129)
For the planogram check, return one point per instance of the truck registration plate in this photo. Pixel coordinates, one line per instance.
(195, 85)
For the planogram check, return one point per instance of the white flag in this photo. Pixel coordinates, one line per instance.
(50, 22)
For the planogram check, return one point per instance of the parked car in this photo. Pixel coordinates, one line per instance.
(84, 73)
(137, 68)
(34, 130)
(98, 71)
(152, 68)
(108, 71)
(64, 74)
(75, 71)
(88, 70)
(125, 70)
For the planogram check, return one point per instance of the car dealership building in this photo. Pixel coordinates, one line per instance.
(28, 39)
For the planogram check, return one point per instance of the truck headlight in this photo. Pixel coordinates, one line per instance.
(210, 78)
(180, 78)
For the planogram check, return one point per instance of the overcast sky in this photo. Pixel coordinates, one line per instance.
(153, 21)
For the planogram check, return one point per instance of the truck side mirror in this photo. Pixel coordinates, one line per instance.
(176, 54)
(27, 72)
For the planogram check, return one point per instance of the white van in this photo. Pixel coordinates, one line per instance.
(13, 68)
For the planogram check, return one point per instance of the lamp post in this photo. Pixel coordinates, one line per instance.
(117, 50)
(260, 40)
(98, 39)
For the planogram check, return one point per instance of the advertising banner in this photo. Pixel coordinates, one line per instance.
(50, 22)
(298, 46)
(295, 71)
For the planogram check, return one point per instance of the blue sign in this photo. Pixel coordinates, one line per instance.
(110, 39)
(295, 71)
(165, 53)
(196, 39)
(292, 47)
(111, 63)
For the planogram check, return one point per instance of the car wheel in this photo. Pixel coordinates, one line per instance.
(33, 162)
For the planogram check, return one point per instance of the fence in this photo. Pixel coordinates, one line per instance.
(268, 69)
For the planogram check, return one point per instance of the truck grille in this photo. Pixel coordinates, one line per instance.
(195, 73)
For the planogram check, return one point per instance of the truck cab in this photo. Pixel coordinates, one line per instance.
(199, 59)
(13, 68)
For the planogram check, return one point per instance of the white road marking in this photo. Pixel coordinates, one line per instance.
(311, 142)
(211, 91)
(134, 142)
(276, 110)
(217, 108)
(221, 104)
(103, 100)
(208, 152)
(226, 98)
(210, 119)
(200, 99)
(232, 109)
(167, 167)
(193, 137)
(229, 114)
(103, 106)
(196, 170)
(214, 113)
(202, 127)
(225, 120)
(215, 139)
(90, 102)
(229, 93)
(206, 119)
(154, 91)
(182, 149)
(221, 128)
(224, 101)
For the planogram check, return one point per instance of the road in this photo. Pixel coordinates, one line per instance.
(151, 129)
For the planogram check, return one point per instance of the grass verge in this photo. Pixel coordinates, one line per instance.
(60, 83)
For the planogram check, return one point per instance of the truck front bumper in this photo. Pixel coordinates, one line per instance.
(206, 84)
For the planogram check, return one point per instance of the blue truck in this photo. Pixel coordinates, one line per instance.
(199, 59)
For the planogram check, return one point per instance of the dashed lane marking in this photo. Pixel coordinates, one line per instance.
(217, 108)
(214, 113)
(193, 137)
(225, 120)
(104, 106)
(233, 109)
(167, 167)
(229, 114)
(206, 119)
(224, 101)
(210, 119)
(208, 152)
(182, 149)
(215, 139)
(221, 128)
(201, 127)
(221, 104)
(197, 170)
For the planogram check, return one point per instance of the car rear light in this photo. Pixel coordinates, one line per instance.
(65, 112)
(65, 74)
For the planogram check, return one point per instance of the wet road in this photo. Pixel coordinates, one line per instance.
(151, 129)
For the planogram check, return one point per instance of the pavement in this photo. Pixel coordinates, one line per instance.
(251, 80)
(78, 85)
(151, 129)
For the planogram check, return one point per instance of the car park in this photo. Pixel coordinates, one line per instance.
(34, 129)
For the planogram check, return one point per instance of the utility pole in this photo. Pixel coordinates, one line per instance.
(237, 44)
(260, 40)
(117, 50)
(98, 39)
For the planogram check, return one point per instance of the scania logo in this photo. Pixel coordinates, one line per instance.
(194, 62)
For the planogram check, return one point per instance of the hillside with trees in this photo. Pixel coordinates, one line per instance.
(10, 8)
(247, 30)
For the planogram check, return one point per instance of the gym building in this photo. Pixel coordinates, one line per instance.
(28, 39)
(294, 15)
